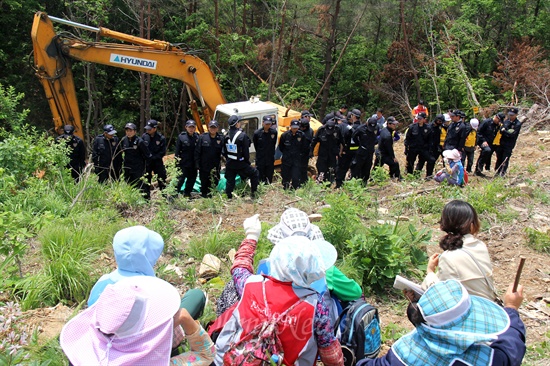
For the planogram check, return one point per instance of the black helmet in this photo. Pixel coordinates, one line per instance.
(304, 122)
(331, 123)
(501, 116)
(130, 126)
(68, 129)
(232, 121)
(440, 117)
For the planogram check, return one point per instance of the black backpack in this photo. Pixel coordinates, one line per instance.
(360, 337)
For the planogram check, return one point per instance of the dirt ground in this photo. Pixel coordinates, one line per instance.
(506, 243)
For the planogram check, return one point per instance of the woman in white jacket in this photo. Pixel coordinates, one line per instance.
(465, 258)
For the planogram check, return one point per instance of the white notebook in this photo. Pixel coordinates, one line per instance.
(401, 283)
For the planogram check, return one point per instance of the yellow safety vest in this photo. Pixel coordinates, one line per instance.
(496, 141)
(471, 139)
(442, 136)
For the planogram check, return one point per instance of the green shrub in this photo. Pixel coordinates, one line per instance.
(385, 251)
(356, 190)
(379, 176)
(340, 221)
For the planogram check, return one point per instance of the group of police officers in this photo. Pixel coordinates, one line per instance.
(346, 148)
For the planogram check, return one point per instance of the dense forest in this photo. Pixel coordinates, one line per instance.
(307, 54)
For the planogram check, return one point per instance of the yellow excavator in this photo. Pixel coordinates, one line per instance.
(52, 60)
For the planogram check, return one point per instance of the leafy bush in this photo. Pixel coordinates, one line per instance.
(385, 251)
(380, 176)
(11, 119)
(341, 221)
(355, 188)
(30, 153)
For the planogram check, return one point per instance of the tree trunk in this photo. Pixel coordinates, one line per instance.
(408, 48)
(277, 55)
(433, 74)
(217, 30)
(244, 19)
(148, 76)
(329, 52)
(141, 74)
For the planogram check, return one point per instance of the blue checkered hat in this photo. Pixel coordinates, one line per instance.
(458, 327)
(448, 306)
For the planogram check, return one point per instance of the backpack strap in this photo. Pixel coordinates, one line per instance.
(497, 298)
(340, 317)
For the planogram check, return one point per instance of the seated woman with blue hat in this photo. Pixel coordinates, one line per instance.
(455, 328)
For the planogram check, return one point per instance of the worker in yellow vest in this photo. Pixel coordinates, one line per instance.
(488, 140)
(470, 144)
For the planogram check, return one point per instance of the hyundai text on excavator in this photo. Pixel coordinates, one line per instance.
(53, 53)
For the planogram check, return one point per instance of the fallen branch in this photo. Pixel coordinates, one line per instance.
(403, 195)
(293, 201)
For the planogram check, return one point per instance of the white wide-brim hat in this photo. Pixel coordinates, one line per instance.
(301, 261)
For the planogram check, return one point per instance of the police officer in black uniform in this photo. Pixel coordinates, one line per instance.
(156, 143)
(366, 137)
(265, 140)
(417, 145)
(208, 157)
(237, 153)
(106, 155)
(485, 137)
(308, 134)
(294, 145)
(136, 156)
(185, 154)
(329, 138)
(385, 146)
(510, 132)
(457, 132)
(350, 147)
(77, 151)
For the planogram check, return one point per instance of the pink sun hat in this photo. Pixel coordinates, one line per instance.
(453, 154)
(130, 324)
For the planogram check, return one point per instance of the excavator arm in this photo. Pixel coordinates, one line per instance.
(52, 54)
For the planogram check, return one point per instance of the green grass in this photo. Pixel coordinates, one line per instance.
(538, 240)
(216, 242)
(70, 249)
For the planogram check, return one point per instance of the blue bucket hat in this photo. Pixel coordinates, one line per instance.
(458, 326)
